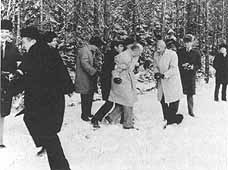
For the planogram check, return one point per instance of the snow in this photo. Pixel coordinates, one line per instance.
(199, 143)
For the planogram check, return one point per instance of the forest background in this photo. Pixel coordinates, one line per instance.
(75, 21)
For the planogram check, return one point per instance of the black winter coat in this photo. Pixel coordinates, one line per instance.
(220, 64)
(106, 74)
(46, 80)
(8, 64)
(188, 77)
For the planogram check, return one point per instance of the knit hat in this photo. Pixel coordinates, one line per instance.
(6, 25)
(30, 32)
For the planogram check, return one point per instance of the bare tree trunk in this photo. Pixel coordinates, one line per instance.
(177, 19)
(18, 22)
(206, 43)
(107, 19)
(163, 18)
(77, 7)
(41, 14)
(199, 23)
(226, 20)
(8, 9)
(134, 18)
(96, 17)
(223, 20)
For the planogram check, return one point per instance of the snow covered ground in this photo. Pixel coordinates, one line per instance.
(199, 143)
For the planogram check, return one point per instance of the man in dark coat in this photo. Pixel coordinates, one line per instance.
(44, 96)
(189, 63)
(220, 64)
(86, 75)
(9, 57)
(106, 76)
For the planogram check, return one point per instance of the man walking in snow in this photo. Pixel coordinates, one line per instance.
(169, 83)
(44, 96)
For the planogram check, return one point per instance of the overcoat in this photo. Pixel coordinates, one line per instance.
(106, 73)
(46, 80)
(170, 86)
(220, 64)
(188, 77)
(8, 64)
(85, 81)
(124, 93)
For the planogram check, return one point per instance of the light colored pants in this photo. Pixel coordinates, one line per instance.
(127, 112)
(1, 129)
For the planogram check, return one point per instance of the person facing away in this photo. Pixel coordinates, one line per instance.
(43, 96)
(106, 75)
(123, 88)
(220, 64)
(169, 82)
(9, 57)
(86, 75)
(189, 63)
(60, 74)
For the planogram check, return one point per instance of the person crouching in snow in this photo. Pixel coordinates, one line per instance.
(123, 89)
(169, 83)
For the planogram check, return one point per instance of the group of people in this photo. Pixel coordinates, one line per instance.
(45, 80)
(175, 72)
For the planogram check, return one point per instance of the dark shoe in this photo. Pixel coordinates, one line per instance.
(191, 114)
(85, 119)
(2, 146)
(128, 127)
(109, 120)
(95, 124)
(216, 99)
(41, 152)
(224, 99)
(179, 118)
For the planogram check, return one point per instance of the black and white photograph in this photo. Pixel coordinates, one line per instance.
(114, 85)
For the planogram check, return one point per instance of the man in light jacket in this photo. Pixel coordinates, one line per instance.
(169, 83)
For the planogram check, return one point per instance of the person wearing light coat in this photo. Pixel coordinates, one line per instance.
(169, 82)
(124, 93)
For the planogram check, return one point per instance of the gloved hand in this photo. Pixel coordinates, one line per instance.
(117, 80)
(187, 66)
(15, 76)
(158, 76)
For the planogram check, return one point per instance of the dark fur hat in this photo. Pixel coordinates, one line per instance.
(30, 32)
(6, 25)
(97, 41)
(129, 40)
(115, 43)
(49, 36)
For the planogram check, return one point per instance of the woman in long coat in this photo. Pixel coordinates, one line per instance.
(220, 63)
(169, 82)
(124, 92)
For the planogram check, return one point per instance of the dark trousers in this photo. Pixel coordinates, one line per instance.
(86, 104)
(190, 104)
(104, 109)
(169, 111)
(217, 87)
(56, 157)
